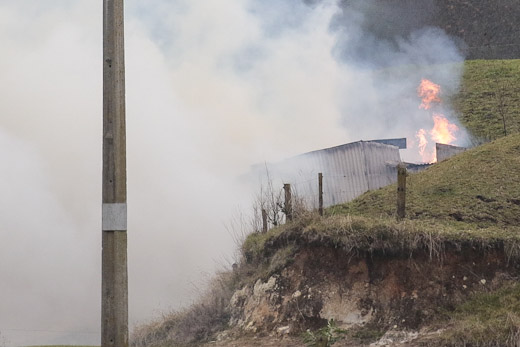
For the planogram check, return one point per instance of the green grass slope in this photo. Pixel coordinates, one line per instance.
(479, 188)
(487, 319)
(472, 198)
(490, 93)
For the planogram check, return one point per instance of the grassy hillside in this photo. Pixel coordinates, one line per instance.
(471, 201)
(473, 195)
(490, 93)
(488, 28)
(478, 189)
(476, 193)
(484, 29)
(471, 198)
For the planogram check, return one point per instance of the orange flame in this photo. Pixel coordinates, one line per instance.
(429, 92)
(443, 131)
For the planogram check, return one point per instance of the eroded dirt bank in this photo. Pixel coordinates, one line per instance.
(384, 292)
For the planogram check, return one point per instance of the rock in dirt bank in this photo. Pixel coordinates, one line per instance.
(389, 293)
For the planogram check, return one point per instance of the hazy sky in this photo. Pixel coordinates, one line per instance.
(213, 87)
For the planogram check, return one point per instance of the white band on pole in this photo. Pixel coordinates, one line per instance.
(114, 217)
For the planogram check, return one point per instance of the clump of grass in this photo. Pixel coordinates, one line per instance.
(193, 325)
(257, 245)
(331, 333)
(326, 336)
(487, 319)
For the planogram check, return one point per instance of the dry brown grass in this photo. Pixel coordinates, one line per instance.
(193, 325)
(384, 235)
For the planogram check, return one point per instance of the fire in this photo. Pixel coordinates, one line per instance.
(429, 92)
(443, 131)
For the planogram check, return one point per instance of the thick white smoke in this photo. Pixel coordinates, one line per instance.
(212, 88)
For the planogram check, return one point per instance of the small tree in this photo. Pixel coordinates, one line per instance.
(503, 89)
(502, 97)
(270, 200)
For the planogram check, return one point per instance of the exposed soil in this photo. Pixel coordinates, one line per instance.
(382, 291)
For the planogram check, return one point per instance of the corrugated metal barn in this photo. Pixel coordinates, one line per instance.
(348, 171)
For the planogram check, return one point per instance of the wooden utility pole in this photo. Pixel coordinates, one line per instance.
(320, 194)
(401, 191)
(288, 202)
(114, 297)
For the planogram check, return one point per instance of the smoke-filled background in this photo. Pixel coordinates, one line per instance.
(213, 87)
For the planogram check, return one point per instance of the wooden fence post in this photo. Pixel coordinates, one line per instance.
(401, 191)
(288, 202)
(320, 187)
